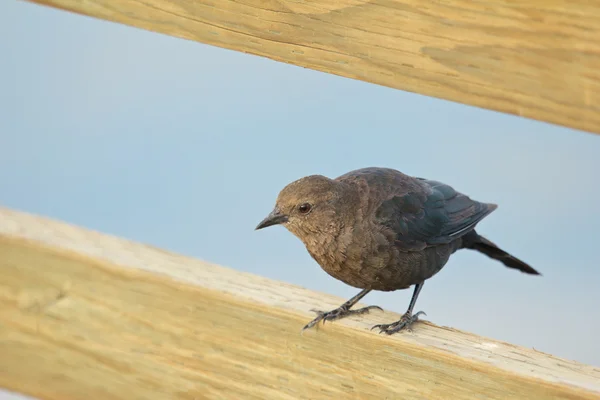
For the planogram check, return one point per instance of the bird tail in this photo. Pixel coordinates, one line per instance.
(474, 241)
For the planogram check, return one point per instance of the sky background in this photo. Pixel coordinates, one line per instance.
(186, 146)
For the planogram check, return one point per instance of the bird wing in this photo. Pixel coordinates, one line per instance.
(433, 214)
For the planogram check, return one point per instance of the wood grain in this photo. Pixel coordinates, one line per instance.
(74, 328)
(86, 315)
(537, 59)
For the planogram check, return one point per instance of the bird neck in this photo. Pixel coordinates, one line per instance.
(328, 244)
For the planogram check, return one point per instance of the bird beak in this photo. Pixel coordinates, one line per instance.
(274, 218)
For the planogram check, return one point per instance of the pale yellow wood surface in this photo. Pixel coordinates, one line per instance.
(86, 315)
(537, 59)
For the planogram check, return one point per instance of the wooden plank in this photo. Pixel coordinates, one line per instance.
(537, 59)
(86, 315)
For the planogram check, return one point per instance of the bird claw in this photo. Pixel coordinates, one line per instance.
(404, 323)
(338, 313)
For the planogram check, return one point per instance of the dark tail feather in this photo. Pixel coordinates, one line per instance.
(476, 242)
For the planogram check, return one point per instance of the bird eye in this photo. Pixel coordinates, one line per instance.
(304, 208)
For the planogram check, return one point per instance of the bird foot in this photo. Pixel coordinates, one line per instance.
(404, 323)
(338, 313)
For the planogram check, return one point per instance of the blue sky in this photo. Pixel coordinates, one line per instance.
(185, 146)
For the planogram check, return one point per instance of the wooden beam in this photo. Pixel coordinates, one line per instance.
(537, 59)
(85, 315)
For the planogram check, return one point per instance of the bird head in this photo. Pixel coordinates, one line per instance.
(307, 206)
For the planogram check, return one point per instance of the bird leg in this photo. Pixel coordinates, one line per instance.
(407, 319)
(342, 311)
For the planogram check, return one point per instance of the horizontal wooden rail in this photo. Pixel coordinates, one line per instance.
(85, 315)
(537, 59)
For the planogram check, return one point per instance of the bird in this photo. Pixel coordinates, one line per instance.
(379, 229)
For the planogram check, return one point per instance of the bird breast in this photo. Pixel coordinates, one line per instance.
(373, 261)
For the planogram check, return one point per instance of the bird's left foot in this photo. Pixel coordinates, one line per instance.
(338, 313)
(404, 323)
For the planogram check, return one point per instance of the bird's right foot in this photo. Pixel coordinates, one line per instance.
(404, 323)
(339, 313)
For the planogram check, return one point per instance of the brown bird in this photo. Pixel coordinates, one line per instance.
(379, 229)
